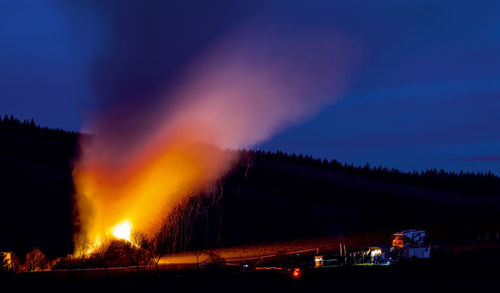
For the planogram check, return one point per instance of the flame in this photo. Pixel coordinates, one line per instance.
(122, 230)
(142, 190)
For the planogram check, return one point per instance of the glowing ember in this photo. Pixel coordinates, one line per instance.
(122, 230)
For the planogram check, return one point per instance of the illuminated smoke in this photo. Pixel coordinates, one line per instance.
(144, 157)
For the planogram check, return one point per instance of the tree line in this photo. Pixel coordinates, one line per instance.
(267, 196)
(463, 182)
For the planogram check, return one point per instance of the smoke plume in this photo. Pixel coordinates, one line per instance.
(177, 84)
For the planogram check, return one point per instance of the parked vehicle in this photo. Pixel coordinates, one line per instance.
(410, 244)
(328, 259)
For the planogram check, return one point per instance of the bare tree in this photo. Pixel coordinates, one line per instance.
(35, 261)
(85, 248)
(139, 255)
(197, 255)
(216, 203)
(15, 263)
(155, 246)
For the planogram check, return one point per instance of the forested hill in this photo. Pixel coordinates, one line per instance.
(465, 183)
(35, 186)
(56, 147)
(268, 196)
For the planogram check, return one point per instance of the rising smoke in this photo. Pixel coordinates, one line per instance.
(177, 83)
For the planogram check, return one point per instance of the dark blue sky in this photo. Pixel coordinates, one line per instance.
(425, 94)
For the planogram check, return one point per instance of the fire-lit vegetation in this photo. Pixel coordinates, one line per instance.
(112, 253)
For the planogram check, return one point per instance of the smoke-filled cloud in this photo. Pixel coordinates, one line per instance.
(173, 79)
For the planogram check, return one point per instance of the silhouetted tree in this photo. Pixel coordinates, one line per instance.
(155, 246)
(140, 256)
(35, 261)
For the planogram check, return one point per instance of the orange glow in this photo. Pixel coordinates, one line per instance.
(398, 240)
(122, 230)
(296, 273)
(397, 243)
(142, 190)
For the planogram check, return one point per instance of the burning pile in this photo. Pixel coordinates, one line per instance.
(140, 192)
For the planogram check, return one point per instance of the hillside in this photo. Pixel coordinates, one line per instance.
(266, 197)
(35, 186)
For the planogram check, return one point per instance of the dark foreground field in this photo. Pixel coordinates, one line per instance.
(475, 271)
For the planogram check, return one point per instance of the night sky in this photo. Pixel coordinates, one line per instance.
(424, 93)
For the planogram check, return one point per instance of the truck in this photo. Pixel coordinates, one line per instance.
(410, 245)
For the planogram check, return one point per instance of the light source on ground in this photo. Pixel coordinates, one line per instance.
(122, 230)
(296, 273)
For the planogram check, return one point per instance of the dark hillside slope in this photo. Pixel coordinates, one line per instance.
(266, 197)
(284, 200)
(35, 187)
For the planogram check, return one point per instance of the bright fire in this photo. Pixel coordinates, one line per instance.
(142, 190)
(122, 230)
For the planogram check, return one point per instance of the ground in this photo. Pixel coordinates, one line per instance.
(473, 270)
